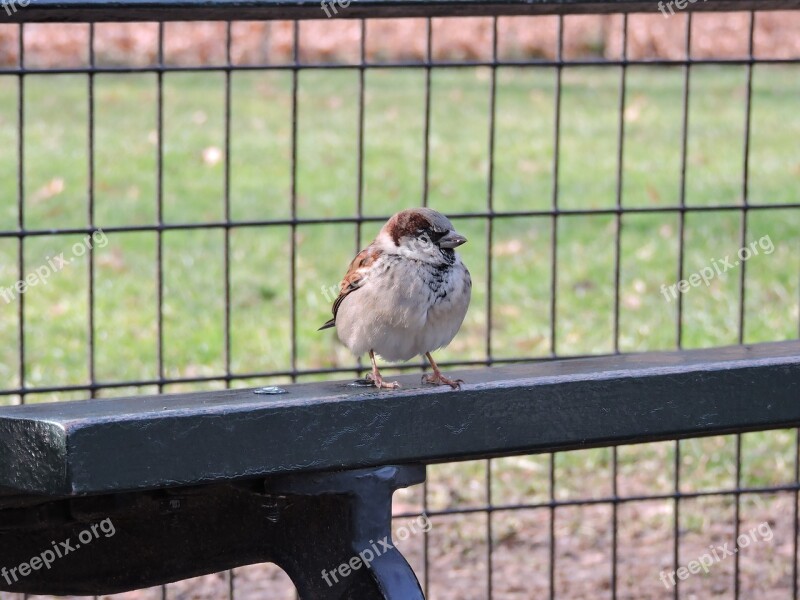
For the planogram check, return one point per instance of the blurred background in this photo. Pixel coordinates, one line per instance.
(654, 36)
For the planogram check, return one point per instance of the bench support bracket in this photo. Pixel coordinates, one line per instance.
(322, 529)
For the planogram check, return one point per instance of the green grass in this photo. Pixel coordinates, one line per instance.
(56, 181)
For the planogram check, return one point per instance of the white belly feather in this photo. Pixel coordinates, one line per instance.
(404, 311)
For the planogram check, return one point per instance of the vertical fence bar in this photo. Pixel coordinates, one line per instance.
(737, 515)
(554, 199)
(614, 519)
(361, 109)
(681, 259)
(489, 244)
(227, 204)
(552, 532)
(617, 273)
(90, 208)
(160, 218)
(362, 66)
(426, 541)
(226, 255)
(21, 207)
(160, 204)
(554, 282)
(746, 172)
(293, 238)
(676, 523)
(490, 191)
(620, 172)
(489, 532)
(426, 148)
(21, 212)
(796, 511)
(742, 275)
(682, 198)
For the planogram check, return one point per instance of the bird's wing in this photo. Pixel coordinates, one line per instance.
(353, 279)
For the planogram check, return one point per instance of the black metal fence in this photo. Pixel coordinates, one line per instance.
(550, 234)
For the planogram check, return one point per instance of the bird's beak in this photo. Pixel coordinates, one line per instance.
(452, 240)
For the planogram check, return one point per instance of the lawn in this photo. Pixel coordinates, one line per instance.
(125, 191)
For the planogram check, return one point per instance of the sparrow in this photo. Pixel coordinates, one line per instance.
(404, 295)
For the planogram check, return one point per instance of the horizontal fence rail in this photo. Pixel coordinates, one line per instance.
(200, 10)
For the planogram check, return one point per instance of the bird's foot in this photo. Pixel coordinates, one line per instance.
(438, 379)
(378, 382)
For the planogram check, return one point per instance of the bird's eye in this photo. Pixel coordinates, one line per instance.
(436, 235)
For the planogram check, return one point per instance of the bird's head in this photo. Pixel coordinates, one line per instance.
(422, 234)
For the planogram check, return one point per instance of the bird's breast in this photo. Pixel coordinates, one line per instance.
(406, 308)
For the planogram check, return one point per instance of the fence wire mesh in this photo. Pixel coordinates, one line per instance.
(231, 195)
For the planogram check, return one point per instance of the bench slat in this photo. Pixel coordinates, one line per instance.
(149, 442)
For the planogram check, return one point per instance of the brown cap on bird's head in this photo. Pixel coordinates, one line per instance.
(416, 222)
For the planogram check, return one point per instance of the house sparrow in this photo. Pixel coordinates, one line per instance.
(405, 294)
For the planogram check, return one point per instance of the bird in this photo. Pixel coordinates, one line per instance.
(404, 295)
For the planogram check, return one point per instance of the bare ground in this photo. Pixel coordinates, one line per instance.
(520, 555)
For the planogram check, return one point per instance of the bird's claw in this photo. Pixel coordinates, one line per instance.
(439, 379)
(379, 383)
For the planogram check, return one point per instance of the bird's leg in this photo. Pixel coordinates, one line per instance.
(376, 378)
(437, 378)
